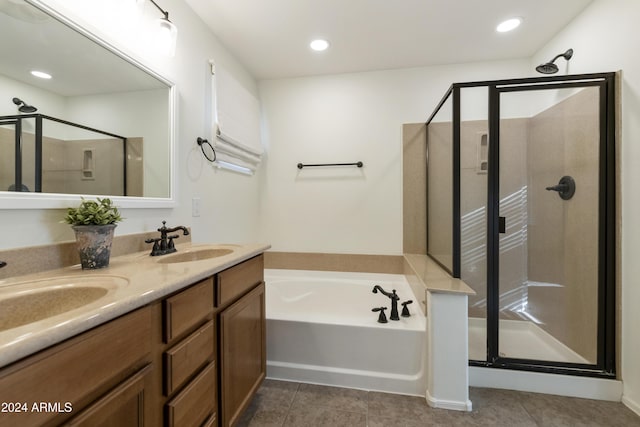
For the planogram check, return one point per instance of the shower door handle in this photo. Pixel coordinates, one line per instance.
(502, 224)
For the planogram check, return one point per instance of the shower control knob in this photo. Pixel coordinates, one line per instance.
(382, 318)
(566, 188)
(405, 309)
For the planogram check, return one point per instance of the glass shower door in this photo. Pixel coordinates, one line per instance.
(548, 224)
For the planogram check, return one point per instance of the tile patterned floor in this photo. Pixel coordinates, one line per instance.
(281, 403)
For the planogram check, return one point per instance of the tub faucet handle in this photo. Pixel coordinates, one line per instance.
(382, 318)
(405, 309)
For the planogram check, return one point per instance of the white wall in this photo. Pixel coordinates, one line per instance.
(348, 118)
(604, 38)
(224, 216)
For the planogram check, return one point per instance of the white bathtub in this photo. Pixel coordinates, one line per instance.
(320, 329)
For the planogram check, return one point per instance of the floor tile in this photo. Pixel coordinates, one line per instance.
(342, 399)
(322, 416)
(270, 405)
(562, 411)
(281, 403)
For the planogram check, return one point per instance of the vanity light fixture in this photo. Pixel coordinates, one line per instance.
(509, 25)
(319, 45)
(41, 74)
(168, 32)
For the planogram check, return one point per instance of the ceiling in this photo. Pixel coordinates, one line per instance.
(271, 38)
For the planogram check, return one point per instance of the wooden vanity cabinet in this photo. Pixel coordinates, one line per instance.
(101, 374)
(240, 299)
(195, 358)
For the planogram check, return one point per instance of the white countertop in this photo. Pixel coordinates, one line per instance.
(133, 281)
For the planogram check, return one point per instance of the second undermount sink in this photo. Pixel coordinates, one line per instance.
(27, 302)
(195, 255)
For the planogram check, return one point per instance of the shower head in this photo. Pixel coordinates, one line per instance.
(550, 67)
(23, 107)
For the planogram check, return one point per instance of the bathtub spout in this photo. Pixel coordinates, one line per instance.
(394, 301)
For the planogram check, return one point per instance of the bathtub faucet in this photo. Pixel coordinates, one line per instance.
(394, 301)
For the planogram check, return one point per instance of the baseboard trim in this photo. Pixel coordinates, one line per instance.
(452, 405)
(634, 406)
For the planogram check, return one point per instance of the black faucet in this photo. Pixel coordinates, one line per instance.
(3, 264)
(164, 244)
(394, 301)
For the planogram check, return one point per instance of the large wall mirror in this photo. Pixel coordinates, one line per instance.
(101, 125)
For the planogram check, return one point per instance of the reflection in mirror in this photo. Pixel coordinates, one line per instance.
(100, 125)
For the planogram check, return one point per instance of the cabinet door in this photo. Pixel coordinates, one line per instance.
(242, 353)
(121, 407)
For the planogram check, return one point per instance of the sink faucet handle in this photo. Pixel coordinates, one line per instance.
(405, 309)
(156, 247)
(170, 244)
(382, 318)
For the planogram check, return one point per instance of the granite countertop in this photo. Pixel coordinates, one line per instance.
(130, 282)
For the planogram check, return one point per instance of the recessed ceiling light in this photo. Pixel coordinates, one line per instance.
(319, 45)
(508, 25)
(41, 74)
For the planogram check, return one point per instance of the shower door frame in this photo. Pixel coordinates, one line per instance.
(605, 366)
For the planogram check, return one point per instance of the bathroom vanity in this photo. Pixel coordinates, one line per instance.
(181, 344)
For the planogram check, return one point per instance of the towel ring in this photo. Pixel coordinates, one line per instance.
(207, 149)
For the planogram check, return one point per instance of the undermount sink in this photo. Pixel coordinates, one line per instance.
(27, 302)
(195, 255)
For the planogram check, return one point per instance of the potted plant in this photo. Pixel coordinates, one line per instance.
(94, 223)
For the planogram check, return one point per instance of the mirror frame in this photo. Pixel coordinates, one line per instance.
(11, 200)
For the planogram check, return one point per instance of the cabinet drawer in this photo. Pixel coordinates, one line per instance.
(196, 403)
(77, 371)
(237, 280)
(184, 359)
(187, 309)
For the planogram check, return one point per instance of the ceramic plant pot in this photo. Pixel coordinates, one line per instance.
(94, 245)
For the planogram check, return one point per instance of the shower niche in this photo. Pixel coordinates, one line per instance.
(499, 155)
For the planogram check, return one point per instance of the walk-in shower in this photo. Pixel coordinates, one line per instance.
(521, 206)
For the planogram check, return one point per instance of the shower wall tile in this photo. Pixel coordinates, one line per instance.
(414, 188)
(135, 167)
(391, 264)
(7, 145)
(473, 202)
(440, 188)
(563, 243)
